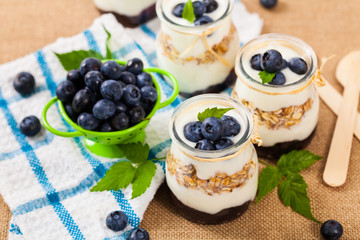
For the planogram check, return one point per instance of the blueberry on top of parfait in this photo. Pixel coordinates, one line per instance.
(271, 61)
(211, 5)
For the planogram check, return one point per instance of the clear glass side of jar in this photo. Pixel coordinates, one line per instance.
(211, 187)
(288, 113)
(129, 13)
(183, 48)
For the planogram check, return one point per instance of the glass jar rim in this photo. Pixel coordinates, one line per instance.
(162, 16)
(240, 108)
(273, 37)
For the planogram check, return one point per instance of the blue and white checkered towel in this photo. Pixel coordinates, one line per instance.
(45, 179)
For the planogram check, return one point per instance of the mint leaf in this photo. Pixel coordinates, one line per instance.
(143, 176)
(292, 192)
(270, 177)
(108, 51)
(295, 161)
(72, 60)
(266, 77)
(135, 152)
(213, 112)
(188, 12)
(120, 175)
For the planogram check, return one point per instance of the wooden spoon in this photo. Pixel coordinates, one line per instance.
(347, 71)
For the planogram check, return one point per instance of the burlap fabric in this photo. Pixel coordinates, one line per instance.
(329, 26)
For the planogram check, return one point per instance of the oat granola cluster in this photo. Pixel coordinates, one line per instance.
(187, 177)
(207, 57)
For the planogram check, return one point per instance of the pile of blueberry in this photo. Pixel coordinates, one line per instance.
(212, 133)
(107, 96)
(200, 9)
(272, 62)
(117, 221)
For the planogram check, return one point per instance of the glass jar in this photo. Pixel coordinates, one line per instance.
(288, 114)
(200, 57)
(130, 13)
(211, 187)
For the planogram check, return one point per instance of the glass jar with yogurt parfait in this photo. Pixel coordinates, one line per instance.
(200, 55)
(288, 106)
(211, 186)
(130, 13)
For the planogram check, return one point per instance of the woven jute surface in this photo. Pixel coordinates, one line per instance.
(330, 27)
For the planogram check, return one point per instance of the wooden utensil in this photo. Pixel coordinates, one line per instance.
(333, 99)
(336, 167)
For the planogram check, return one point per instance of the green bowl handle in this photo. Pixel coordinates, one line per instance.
(51, 129)
(174, 82)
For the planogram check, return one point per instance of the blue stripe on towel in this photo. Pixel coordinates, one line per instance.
(39, 172)
(15, 229)
(148, 31)
(91, 41)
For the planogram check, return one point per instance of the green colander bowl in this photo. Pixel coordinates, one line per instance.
(106, 143)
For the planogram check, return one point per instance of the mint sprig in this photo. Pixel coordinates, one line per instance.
(212, 112)
(188, 12)
(72, 60)
(266, 77)
(136, 170)
(292, 189)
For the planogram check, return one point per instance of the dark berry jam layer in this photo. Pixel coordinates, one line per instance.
(275, 152)
(134, 21)
(193, 215)
(229, 81)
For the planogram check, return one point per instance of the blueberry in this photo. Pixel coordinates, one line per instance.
(76, 78)
(70, 112)
(192, 131)
(24, 83)
(89, 64)
(104, 109)
(331, 230)
(279, 79)
(30, 126)
(120, 121)
(128, 78)
(255, 62)
(122, 84)
(271, 61)
(223, 143)
(298, 65)
(178, 10)
(139, 234)
(148, 107)
(65, 91)
(131, 95)
(231, 126)
(93, 80)
(284, 65)
(83, 101)
(134, 66)
(87, 121)
(144, 79)
(211, 5)
(205, 144)
(111, 90)
(97, 94)
(106, 127)
(116, 220)
(268, 3)
(148, 94)
(136, 115)
(212, 128)
(199, 8)
(203, 20)
(120, 107)
(111, 70)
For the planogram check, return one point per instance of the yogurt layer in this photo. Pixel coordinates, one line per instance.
(124, 7)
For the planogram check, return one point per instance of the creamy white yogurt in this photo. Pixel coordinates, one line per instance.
(124, 7)
(186, 40)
